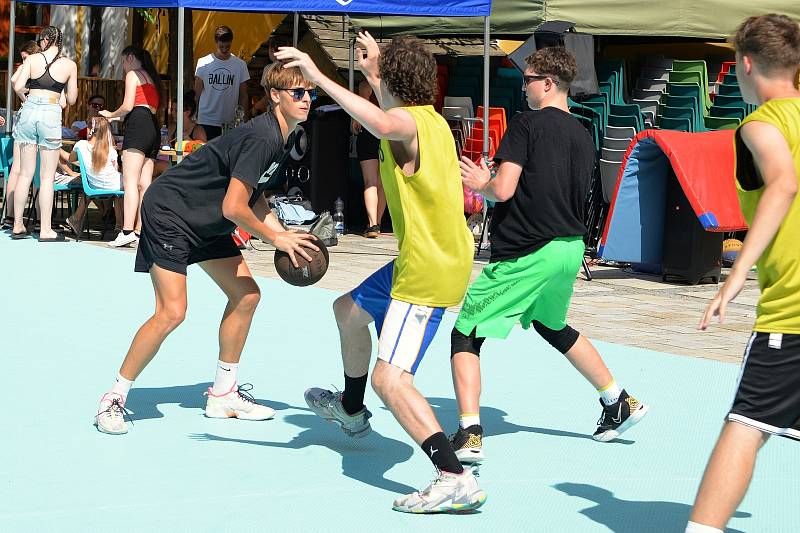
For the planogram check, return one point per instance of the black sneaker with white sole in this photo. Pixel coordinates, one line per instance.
(468, 444)
(618, 417)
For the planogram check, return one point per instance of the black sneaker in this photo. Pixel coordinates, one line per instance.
(468, 443)
(372, 232)
(619, 417)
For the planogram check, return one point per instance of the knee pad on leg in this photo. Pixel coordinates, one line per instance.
(562, 340)
(463, 343)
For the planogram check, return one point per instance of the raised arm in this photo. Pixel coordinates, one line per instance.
(394, 124)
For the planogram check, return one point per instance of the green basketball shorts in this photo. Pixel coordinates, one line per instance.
(537, 286)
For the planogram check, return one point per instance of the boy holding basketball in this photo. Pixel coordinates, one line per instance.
(767, 146)
(187, 217)
(406, 298)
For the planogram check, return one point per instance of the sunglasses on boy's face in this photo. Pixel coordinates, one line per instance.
(527, 79)
(299, 92)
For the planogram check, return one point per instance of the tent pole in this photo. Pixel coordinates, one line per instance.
(351, 65)
(485, 117)
(486, 45)
(179, 111)
(12, 21)
(296, 29)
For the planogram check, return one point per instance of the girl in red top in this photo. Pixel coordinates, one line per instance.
(142, 138)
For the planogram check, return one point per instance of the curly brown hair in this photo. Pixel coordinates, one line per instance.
(409, 70)
(554, 61)
(772, 41)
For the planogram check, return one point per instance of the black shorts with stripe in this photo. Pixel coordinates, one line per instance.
(768, 396)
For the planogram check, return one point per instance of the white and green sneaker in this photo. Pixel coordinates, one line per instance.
(448, 493)
(328, 405)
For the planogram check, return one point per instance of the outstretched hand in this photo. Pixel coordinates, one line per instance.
(367, 56)
(292, 57)
(718, 306)
(473, 176)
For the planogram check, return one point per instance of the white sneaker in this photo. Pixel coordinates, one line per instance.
(110, 416)
(236, 403)
(448, 493)
(123, 240)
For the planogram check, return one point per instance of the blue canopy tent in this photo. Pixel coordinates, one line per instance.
(440, 8)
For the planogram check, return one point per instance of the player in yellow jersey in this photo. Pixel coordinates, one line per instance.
(767, 146)
(406, 298)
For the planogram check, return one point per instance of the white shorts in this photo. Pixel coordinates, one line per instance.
(406, 333)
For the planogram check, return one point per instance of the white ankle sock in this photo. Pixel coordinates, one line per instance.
(469, 419)
(226, 377)
(693, 527)
(121, 386)
(610, 393)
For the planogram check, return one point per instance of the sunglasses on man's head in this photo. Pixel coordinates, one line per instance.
(299, 92)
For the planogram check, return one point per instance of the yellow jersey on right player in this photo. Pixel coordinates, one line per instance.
(435, 246)
(779, 266)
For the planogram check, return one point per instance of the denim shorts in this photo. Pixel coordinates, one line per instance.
(39, 122)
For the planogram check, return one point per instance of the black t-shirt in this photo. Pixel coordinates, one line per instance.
(557, 157)
(189, 196)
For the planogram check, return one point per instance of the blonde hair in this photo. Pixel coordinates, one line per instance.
(277, 77)
(99, 130)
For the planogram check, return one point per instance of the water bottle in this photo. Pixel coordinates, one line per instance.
(164, 138)
(338, 216)
(239, 116)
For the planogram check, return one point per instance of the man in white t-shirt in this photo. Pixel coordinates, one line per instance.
(220, 84)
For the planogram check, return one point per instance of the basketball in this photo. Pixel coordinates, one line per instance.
(730, 251)
(308, 273)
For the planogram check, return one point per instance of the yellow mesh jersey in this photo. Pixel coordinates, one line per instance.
(779, 266)
(435, 247)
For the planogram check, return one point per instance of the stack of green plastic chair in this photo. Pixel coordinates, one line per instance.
(597, 102)
(720, 123)
(681, 113)
(596, 129)
(700, 68)
(677, 124)
(611, 71)
(685, 102)
(631, 110)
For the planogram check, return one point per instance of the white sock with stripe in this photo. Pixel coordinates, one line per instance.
(610, 393)
(466, 420)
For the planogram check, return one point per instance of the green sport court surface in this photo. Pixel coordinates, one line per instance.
(70, 311)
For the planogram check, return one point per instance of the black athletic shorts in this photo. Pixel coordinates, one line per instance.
(212, 132)
(367, 145)
(164, 244)
(768, 397)
(141, 132)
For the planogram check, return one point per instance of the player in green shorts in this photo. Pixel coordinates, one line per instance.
(546, 164)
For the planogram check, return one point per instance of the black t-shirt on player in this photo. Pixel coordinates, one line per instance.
(557, 157)
(189, 196)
